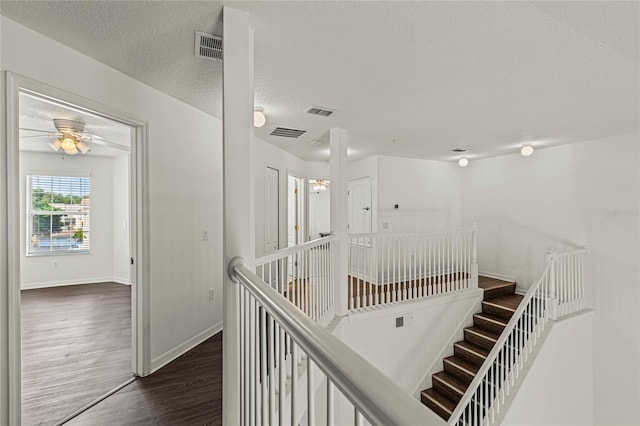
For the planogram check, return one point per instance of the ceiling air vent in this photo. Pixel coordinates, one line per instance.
(323, 112)
(459, 150)
(287, 133)
(208, 46)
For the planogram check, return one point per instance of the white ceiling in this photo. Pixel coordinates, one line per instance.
(37, 115)
(431, 75)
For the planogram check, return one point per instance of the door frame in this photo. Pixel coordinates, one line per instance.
(138, 230)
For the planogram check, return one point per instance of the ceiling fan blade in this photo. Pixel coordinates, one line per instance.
(40, 131)
(108, 144)
(37, 136)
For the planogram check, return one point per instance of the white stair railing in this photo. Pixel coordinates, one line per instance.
(303, 275)
(392, 267)
(560, 288)
(277, 341)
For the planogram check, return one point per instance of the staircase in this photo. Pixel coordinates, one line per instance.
(498, 305)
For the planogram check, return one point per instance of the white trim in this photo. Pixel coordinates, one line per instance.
(121, 280)
(410, 305)
(160, 361)
(95, 280)
(496, 276)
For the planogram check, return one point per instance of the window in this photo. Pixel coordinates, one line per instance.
(58, 214)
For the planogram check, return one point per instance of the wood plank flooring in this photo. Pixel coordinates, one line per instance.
(188, 391)
(76, 346)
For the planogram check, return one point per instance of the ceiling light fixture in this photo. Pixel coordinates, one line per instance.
(463, 162)
(70, 144)
(259, 118)
(319, 184)
(526, 150)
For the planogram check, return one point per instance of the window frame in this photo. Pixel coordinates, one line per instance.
(30, 213)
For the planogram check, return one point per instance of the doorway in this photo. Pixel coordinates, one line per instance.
(319, 208)
(75, 171)
(295, 219)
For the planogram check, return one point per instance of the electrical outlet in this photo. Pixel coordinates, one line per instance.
(211, 294)
(205, 234)
(56, 264)
(385, 225)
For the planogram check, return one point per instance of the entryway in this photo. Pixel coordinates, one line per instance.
(76, 294)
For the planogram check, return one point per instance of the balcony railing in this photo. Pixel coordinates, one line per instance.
(386, 268)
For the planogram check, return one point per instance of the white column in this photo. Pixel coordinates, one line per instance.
(338, 144)
(239, 213)
(474, 256)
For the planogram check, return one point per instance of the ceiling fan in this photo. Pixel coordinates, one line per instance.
(70, 137)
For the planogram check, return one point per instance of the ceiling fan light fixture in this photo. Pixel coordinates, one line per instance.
(259, 118)
(68, 142)
(72, 151)
(55, 145)
(82, 147)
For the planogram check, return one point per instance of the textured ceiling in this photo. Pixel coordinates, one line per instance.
(37, 115)
(430, 75)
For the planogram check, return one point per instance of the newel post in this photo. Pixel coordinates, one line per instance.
(474, 255)
(552, 301)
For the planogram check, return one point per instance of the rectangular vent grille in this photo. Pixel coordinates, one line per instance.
(287, 133)
(323, 112)
(208, 46)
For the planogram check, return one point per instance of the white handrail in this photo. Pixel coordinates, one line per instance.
(372, 393)
(493, 381)
(285, 252)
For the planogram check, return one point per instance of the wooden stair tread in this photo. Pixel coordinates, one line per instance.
(492, 318)
(450, 381)
(445, 405)
(463, 364)
(509, 302)
(474, 349)
(487, 283)
(484, 332)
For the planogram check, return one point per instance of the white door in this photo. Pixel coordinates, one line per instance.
(295, 217)
(271, 204)
(359, 205)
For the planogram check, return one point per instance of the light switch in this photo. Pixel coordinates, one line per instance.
(205, 234)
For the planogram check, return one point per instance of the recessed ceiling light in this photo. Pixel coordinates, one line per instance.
(526, 150)
(463, 162)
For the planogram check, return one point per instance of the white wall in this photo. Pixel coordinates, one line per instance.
(120, 216)
(558, 388)
(565, 197)
(96, 266)
(266, 154)
(185, 185)
(427, 193)
(405, 353)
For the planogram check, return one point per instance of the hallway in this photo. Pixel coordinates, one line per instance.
(188, 391)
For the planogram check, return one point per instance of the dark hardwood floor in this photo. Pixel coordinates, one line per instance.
(76, 346)
(188, 391)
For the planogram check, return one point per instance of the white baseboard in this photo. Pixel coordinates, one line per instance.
(121, 280)
(95, 280)
(164, 359)
(497, 276)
